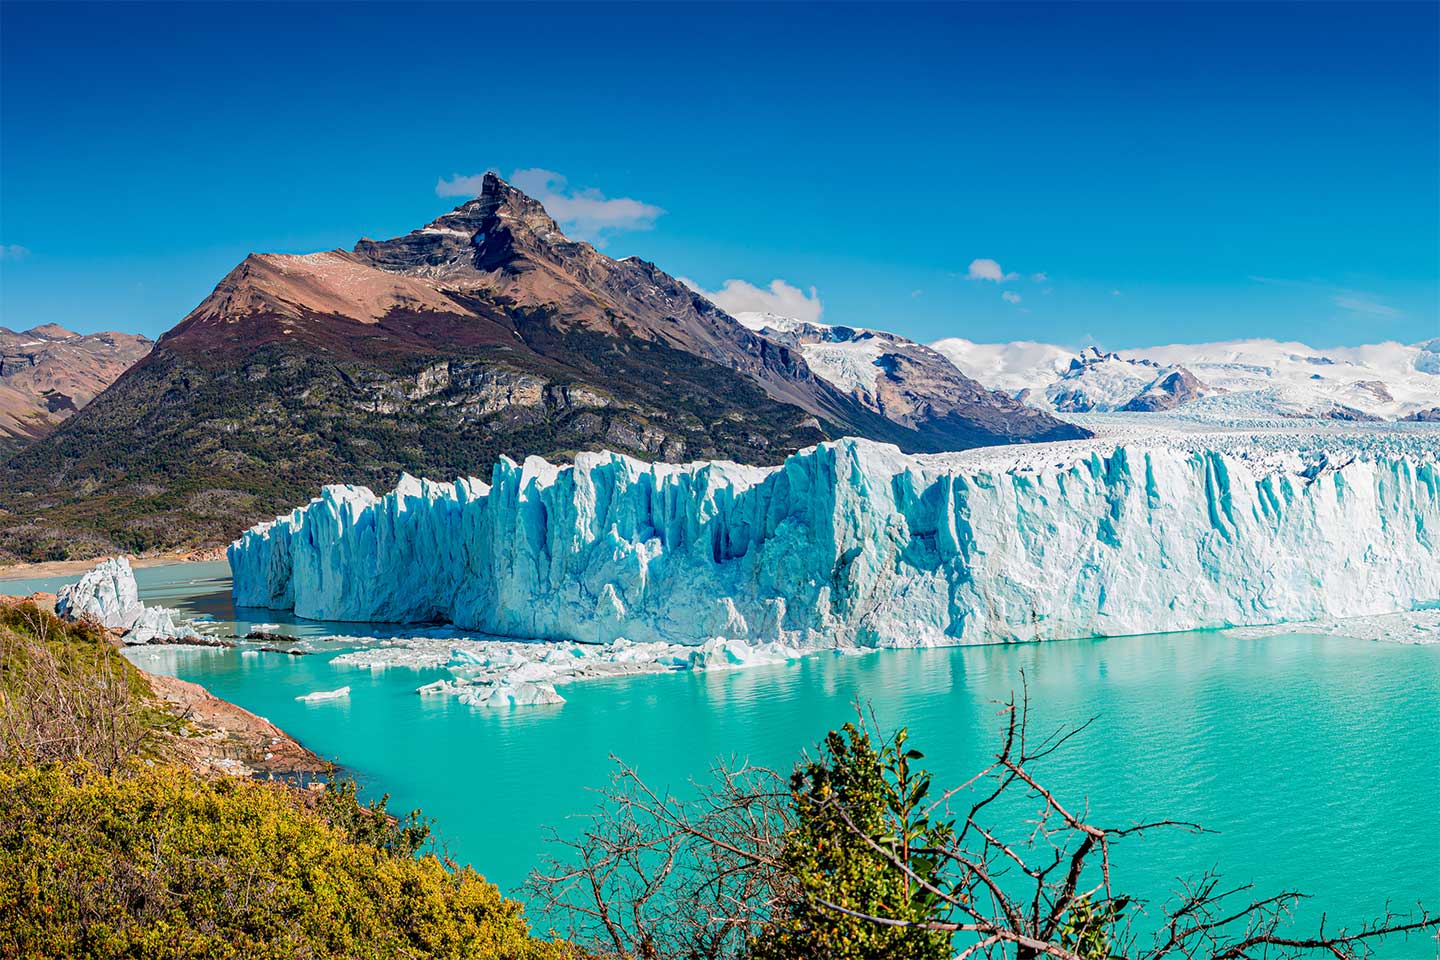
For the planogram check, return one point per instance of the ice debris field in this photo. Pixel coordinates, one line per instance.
(625, 566)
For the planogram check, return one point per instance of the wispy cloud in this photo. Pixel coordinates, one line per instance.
(1357, 303)
(738, 296)
(983, 268)
(584, 212)
(13, 251)
(1010, 297)
(1041, 277)
(1363, 305)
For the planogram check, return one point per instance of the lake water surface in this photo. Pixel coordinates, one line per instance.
(1313, 759)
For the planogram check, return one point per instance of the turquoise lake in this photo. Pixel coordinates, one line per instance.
(1313, 759)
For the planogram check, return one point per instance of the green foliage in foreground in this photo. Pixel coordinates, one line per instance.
(156, 862)
(108, 851)
(859, 813)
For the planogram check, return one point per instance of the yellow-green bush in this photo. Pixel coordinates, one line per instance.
(156, 862)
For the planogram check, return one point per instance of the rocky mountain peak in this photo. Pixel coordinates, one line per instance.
(52, 331)
(479, 235)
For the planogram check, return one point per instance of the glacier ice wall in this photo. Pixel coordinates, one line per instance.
(854, 543)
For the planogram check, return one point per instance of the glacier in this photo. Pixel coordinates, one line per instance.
(852, 543)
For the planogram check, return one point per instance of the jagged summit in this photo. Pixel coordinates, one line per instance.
(479, 235)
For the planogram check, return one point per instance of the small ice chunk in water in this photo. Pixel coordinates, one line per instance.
(321, 695)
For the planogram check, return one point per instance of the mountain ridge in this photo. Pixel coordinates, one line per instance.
(47, 373)
(1235, 378)
(486, 332)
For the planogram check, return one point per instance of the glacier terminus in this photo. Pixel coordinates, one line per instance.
(854, 544)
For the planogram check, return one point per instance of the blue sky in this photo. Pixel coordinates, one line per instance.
(1132, 174)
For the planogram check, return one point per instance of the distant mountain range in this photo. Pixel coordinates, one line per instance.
(48, 373)
(903, 381)
(485, 333)
(1243, 378)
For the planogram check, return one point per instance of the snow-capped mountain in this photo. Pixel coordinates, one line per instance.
(1097, 382)
(903, 381)
(1231, 379)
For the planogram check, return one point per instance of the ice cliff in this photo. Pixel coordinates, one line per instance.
(853, 543)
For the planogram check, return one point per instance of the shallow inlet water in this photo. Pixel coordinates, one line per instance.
(1313, 758)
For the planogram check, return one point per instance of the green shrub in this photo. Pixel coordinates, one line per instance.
(859, 811)
(156, 862)
(66, 694)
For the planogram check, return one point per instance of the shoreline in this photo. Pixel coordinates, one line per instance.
(229, 739)
(59, 568)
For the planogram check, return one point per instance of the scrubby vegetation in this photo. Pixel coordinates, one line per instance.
(107, 849)
(156, 862)
(66, 694)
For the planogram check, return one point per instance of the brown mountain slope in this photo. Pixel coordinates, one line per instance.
(484, 333)
(47, 373)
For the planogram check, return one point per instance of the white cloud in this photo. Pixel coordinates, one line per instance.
(1116, 293)
(1010, 297)
(1041, 277)
(738, 296)
(459, 185)
(585, 213)
(1363, 305)
(984, 268)
(13, 251)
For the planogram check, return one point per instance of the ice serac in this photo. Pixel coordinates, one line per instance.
(854, 543)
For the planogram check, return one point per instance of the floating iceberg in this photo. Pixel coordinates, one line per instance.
(106, 594)
(521, 673)
(520, 693)
(321, 695)
(852, 543)
(156, 625)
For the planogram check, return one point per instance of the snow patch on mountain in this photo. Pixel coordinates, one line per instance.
(845, 356)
